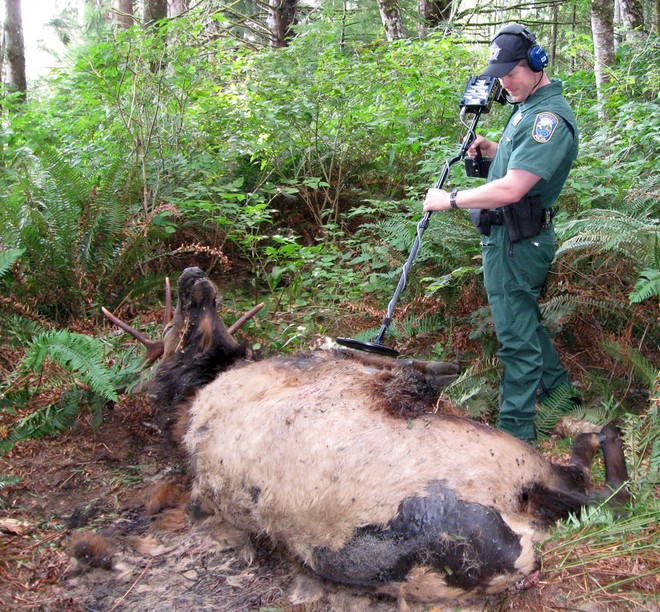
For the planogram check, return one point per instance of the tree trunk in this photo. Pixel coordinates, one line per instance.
(432, 13)
(15, 48)
(632, 17)
(390, 15)
(602, 28)
(123, 14)
(281, 15)
(154, 10)
(178, 7)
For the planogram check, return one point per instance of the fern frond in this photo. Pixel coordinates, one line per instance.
(639, 366)
(46, 421)
(78, 353)
(107, 222)
(557, 405)
(647, 285)
(146, 286)
(476, 389)
(641, 437)
(451, 278)
(8, 259)
(567, 304)
(632, 233)
(419, 325)
(8, 481)
(19, 330)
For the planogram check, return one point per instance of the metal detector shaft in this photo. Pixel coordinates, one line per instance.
(423, 224)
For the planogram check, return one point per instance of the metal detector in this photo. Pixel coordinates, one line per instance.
(478, 97)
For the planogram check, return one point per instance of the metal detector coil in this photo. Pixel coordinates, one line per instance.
(477, 99)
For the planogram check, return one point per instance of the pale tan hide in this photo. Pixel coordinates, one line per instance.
(307, 456)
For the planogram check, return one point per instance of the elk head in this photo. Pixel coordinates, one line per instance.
(196, 344)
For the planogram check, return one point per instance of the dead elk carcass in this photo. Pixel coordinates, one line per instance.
(312, 452)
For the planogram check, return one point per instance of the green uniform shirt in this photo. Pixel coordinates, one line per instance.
(541, 137)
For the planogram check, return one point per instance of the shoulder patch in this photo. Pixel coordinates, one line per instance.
(544, 127)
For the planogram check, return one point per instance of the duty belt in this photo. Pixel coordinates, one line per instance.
(496, 217)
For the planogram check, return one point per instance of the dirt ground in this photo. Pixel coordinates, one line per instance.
(86, 481)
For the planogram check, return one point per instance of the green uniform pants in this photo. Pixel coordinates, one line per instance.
(514, 276)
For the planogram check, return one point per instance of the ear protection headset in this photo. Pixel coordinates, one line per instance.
(537, 58)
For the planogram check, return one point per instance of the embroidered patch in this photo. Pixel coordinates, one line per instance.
(544, 127)
(494, 52)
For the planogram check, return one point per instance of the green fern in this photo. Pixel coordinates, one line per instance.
(647, 286)
(642, 444)
(560, 403)
(83, 377)
(77, 353)
(451, 278)
(476, 389)
(419, 325)
(447, 244)
(639, 366)
(19, 330)
(631, 233)
(49, 420)
(8, 259)
(8, 481)
(84, 240)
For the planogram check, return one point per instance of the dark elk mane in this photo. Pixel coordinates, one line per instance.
(197, 347)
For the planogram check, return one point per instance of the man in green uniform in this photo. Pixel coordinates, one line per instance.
(513, 212)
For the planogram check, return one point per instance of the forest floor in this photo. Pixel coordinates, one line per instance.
(98, 481)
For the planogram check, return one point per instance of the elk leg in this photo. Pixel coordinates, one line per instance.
(584, 450)
(616, 473)
(432, 368)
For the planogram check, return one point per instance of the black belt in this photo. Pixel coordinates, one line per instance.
(496, 217)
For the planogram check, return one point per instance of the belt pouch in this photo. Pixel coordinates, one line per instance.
(529, 216)
(481, 220)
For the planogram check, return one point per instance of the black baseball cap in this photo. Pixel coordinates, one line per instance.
(506, 51)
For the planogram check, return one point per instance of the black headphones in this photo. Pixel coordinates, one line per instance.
(537, 58)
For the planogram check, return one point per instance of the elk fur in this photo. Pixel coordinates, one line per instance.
(348, 468)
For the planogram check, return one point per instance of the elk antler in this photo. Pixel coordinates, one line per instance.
(234, 327)
(168, 313)
(155, 348)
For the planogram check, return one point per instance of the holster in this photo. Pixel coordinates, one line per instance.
(524, 219)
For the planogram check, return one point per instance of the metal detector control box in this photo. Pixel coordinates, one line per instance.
(480, 93)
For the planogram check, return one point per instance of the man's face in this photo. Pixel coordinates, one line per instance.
(520, 82)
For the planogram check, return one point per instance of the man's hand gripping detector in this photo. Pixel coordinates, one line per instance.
(478, 97)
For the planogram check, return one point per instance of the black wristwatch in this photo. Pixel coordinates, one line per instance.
(452, 198)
